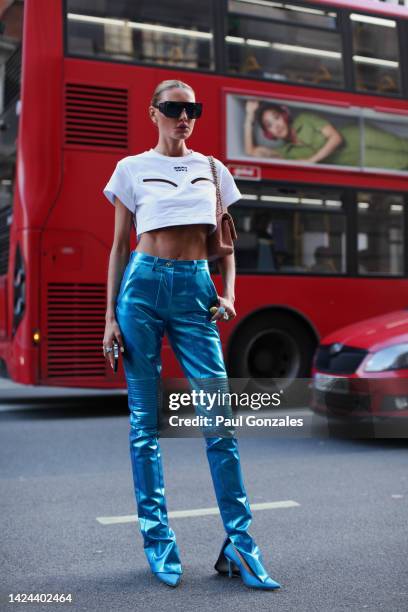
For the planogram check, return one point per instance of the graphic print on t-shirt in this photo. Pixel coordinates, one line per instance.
(162, 191)
(161, 180)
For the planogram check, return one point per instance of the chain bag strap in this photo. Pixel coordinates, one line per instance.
(221, 242)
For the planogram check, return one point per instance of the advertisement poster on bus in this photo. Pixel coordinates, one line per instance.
(275, 130)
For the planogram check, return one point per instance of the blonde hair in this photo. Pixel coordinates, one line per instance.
(169, 84)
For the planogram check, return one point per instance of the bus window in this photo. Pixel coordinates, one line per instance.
(6, 216)
(159, 32)
(10, 57)
(10, 76)
(375, 54)
(305, 234)
(286, 42)
(380, 234)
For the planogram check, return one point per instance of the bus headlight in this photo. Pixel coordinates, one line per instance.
(391, 358)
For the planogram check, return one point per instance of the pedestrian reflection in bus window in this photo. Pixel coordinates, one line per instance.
(316, 73)
(284, 262)
(324, 262)
(369, 78)
(322, 74)
(367, 262)
(386, 83)
(246, 243)
(309, 137)
(262, 228)
(251, 66)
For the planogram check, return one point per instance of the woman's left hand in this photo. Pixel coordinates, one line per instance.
(225, 305)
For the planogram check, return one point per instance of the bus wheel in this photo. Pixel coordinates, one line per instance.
(269, 347)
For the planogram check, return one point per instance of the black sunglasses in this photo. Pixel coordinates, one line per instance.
(173, 110)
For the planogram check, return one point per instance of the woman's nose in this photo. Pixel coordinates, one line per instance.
(183, 115)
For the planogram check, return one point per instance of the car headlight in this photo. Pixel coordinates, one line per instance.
(391, 358)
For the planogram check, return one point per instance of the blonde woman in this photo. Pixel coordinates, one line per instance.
(164, 286)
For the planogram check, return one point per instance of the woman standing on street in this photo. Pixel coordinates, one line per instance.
(165, 286)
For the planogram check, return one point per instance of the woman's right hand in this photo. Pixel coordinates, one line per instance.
(251, 107)
(112, 333)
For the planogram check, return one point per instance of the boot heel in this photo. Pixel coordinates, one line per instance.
(221, 564)
(229, 568)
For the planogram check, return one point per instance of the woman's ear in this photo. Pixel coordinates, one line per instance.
(152, 114)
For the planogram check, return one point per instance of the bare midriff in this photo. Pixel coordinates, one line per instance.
(176, 242)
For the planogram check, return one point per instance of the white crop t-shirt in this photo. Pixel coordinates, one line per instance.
(161, 190)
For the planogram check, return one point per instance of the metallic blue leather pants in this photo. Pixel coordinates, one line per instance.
(160, 295)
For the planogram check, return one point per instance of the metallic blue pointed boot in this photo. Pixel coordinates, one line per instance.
(248, 576)
(159, 539)
(224, 461)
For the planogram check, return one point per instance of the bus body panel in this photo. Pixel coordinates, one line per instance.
(73, 295)
(39, 168)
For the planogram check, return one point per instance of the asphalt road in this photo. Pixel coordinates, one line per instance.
(338, 541)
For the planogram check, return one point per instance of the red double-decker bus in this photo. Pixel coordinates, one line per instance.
(306, 102)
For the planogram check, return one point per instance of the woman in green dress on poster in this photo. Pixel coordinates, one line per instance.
(311, 138)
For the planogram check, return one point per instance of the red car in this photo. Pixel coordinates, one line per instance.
(362, 370)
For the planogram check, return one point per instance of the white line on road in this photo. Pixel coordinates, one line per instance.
(132, 518)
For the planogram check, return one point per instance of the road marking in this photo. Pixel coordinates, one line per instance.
(132, 518)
